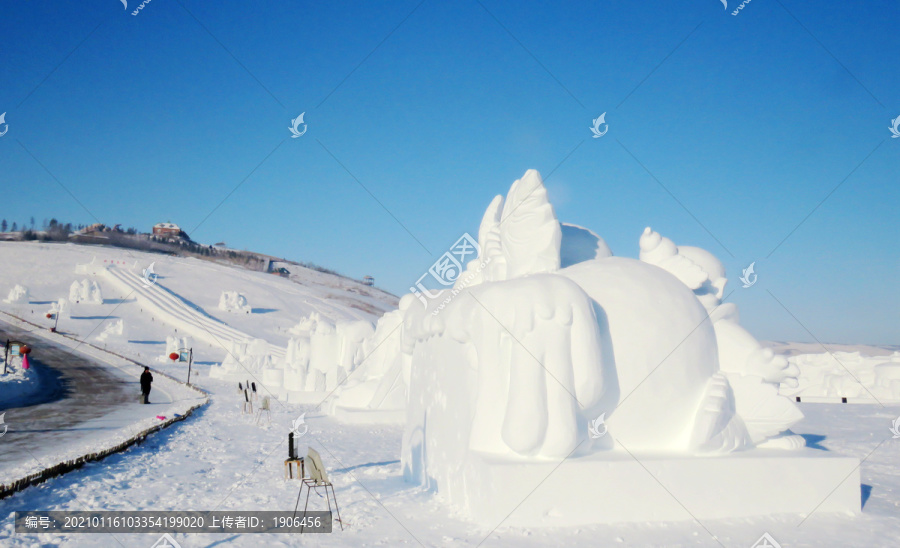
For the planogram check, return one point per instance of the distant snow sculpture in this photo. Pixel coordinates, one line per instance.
(114, 330)
(234, 302)
(247, 357)
(320, 355)
(59, 308)
(18, 295)
(85, 292)
(383, 371)
(830, 376)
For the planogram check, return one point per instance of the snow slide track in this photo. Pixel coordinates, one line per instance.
(176, 312)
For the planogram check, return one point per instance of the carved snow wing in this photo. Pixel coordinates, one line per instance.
(529, 230)
(489, 241)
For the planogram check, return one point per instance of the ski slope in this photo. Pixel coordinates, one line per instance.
(183, 301)
(174, 311)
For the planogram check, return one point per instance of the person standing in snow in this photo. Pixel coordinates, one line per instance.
(146, 381)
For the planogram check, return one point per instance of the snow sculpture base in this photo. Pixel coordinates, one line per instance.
(612, 487)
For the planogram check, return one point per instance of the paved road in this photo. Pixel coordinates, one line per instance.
(78, 398)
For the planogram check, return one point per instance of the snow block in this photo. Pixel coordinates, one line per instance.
(613, 487)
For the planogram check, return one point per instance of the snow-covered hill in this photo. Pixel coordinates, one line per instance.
(186, 290)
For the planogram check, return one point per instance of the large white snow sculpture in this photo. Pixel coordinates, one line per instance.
(377, 390)
(753, 372)
(18, 295)
(319, 356)
(296, 366)
(234, 302)
(85, 292)
(552, 353)
(666, 360)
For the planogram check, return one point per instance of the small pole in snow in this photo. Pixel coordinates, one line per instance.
(190, 362)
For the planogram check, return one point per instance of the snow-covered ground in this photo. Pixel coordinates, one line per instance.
(31, 446)
(219, 459)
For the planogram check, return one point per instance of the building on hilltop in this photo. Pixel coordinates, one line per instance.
(368, 280)
(167, 230)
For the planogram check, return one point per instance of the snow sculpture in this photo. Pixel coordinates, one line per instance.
(322, 354)
(18, 295)
(580, 244)
(306, 325)
(753, 372)
(377, 390)
(666, 360)
(114, 330)
(551, 350)
(234, 302)
(85, 292)
(296, 363)
(353, 335)
(829, 377)
(532, 399)
(663, 253)
(59, 308)
(244, 358)
(324, 348)
(540, 343)
(528, 228)
(93, 268)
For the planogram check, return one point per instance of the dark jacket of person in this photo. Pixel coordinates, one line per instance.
(146, 379)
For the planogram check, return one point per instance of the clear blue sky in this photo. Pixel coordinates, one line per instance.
(740, 124)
